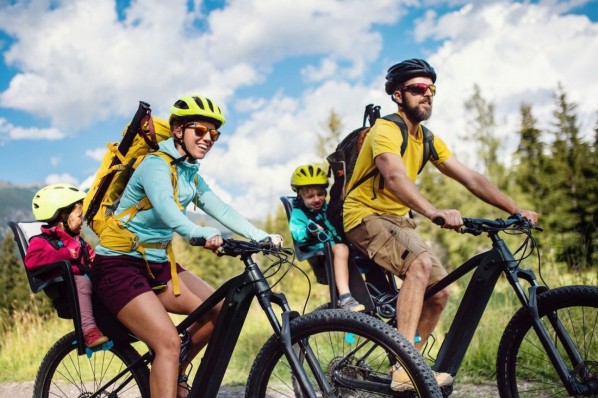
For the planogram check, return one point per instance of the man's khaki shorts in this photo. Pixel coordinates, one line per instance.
(391, 242)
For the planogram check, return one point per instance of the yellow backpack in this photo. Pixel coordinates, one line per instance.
(139, 138)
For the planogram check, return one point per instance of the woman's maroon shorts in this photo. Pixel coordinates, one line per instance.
(119, 279)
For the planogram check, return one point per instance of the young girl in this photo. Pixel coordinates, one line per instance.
(310, 225)
(60, 205)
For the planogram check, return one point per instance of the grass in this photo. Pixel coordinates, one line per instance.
(25, 340)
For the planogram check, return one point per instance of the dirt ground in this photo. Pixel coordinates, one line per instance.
(25, 390)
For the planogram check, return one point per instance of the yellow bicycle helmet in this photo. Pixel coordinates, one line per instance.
(196, 107)
(49, 201)
(308, 174)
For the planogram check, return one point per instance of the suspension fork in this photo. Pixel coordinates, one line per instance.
(294, 353)
(549, 344)
(530, 302)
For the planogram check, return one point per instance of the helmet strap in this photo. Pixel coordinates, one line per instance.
(181, 142)
(64, 220)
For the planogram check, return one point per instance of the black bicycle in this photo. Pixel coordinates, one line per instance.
(332, 353)
(550, 346)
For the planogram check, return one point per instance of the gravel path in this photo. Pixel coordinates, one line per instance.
(25, 390)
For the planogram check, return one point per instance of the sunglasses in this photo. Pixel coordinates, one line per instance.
(420, 88)
(200, 131)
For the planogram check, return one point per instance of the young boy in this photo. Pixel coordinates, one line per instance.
(61, 206)
(310, 226)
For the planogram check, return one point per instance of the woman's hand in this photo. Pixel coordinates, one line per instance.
(213, 243)
(276, 240)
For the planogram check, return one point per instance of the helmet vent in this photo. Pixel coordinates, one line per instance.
(210, 104)
(199, 102)
(181, 105)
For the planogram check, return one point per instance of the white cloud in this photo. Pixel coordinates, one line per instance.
(96, 153)
(64, 178)
(516, 53)
(11, 132)
(73, 73)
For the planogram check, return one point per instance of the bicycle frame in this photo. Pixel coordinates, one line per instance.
(238, 293)
(490, 265)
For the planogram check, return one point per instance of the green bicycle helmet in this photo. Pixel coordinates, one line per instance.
(49, 201)
(196, 107)
(309, 174)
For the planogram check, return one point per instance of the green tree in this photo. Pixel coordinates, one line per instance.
(572, 189)
(329, 139)
(481, 129)
(14, 289)
(531, 161)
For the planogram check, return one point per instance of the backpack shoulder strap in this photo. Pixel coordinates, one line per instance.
(428, 139)
(396, 119)
(53, 240)
(429, 150)
(173, 175)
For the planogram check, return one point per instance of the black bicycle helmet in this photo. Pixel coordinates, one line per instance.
(403, 71)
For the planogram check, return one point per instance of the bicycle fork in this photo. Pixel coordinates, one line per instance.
(560, 334)
(298, 352)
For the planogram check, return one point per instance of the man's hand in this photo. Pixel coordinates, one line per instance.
(452, 218)
(532, 216)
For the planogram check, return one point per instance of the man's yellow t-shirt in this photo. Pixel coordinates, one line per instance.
(368, 198)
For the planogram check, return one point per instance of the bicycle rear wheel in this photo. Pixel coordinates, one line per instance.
(64, 373)
(523, 366)
(355, 353)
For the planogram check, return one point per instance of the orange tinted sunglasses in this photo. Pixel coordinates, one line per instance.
(200, 131)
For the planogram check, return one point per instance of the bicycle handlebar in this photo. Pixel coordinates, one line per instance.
(476, 226)
(234, 247)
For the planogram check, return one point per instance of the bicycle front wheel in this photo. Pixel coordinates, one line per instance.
(524, 369)
(64, 373)
(344, 354)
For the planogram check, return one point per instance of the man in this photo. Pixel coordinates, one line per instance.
(376, 213)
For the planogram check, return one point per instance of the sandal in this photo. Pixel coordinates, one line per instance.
(182, 383)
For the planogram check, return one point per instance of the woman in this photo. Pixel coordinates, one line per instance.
(140, 287)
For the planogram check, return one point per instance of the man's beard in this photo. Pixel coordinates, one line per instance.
(417, 114)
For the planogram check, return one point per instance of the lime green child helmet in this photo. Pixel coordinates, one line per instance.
(49, 201)
(308, 174)
(195, 107)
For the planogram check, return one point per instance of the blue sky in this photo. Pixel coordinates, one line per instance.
(72, 72)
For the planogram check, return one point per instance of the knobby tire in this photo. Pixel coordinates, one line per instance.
(523, 366)
(333, 335)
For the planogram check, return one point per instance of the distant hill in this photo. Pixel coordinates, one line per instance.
(15, 204)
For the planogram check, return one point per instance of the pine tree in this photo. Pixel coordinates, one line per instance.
(572, 191)
(482, 129)
(531, 161)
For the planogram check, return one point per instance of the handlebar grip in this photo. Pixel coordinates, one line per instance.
(438, 221)
(197, 241)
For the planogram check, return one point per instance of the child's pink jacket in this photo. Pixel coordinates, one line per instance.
(41, 252)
